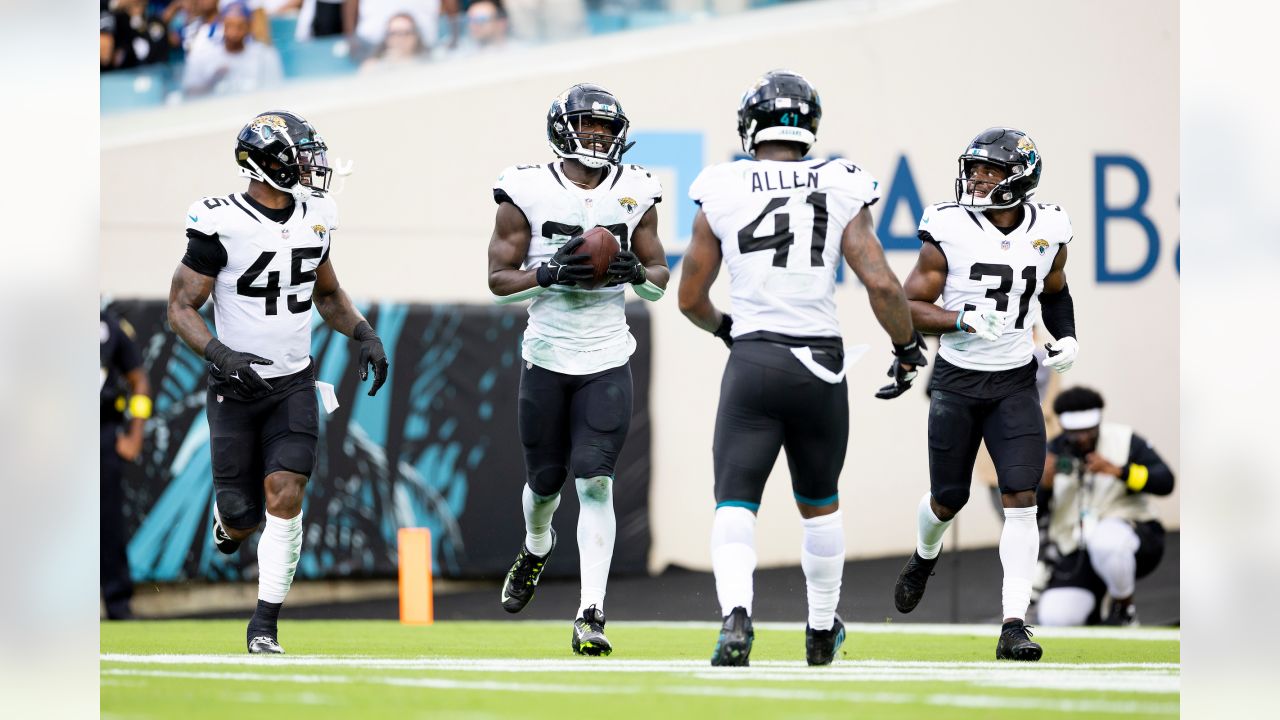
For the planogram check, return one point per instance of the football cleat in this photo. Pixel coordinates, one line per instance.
(264, 644)
(588, 634)
(522, 578)
(909, 589)
(733, 648)
(221, 539)
(1122, 614)
(821, 646)
(1016, 643)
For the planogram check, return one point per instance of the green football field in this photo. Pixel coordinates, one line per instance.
(368, 669)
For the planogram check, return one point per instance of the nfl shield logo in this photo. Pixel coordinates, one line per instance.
(1005, 244)
(284, 233)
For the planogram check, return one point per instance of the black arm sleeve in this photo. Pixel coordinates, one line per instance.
(205, 253)
(1059, 313)
(126, 356)
(1159, 476)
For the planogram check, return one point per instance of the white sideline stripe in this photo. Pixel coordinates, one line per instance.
(950, 700)
(1091, 633)
(1156, 678)
(601, 665)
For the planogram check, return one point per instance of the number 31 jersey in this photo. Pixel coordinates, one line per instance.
(265, 271)
(780, 226)
(573, 330)
(987, 268)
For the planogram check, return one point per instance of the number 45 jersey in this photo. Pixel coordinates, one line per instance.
(780, 226)
(264, 273)
(987, 268)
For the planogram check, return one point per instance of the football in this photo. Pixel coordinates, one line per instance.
(602, 246)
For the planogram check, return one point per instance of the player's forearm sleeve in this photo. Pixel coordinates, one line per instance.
(532, 292)
(1146, 465)
(649, 291)
(1059, 313)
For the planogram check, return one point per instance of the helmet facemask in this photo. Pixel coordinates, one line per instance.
(1000, 196)
(582, 145)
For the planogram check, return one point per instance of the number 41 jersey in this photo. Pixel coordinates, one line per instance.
(987, 268)
(265, 271)
(780, 226)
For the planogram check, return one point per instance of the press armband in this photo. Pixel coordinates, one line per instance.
(140, 407)
(1137, 479)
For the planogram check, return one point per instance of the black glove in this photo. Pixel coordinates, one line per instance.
(722, 332)
(911, 354)
(626, 268)
(565, 268)
(237, 367)
(371, 353)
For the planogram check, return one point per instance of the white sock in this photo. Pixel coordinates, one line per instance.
(929, 530)
(278, 552)
(538, 510)
(822, 559)
(597, 528)
(733, 557)
(1019, 546)
(1113, 548)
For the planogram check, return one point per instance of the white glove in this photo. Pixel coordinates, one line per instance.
(986, 324)
(1062, 354)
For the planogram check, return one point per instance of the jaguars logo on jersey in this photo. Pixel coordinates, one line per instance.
(1040, 245)
(628, 203)
(319, 230)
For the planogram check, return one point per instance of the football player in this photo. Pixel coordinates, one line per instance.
(997, 261)
(782, 223)
(264, 257)
(575, 386)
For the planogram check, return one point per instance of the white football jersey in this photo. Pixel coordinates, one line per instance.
(262, 294)
(573, 330)
(780, 226)
(988, 269)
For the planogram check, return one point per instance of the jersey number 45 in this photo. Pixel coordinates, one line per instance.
(271, 290)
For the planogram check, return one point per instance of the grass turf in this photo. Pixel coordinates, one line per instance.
(525, 669)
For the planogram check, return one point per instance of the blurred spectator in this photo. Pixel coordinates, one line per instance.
(237, 64)
(319, 18)
(543, 20)
(486, 28)
(365, 21)
(136, 36)
(202, 25)
(1098, 481)
(124, 393)
(402, 44)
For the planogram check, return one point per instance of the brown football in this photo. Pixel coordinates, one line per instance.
(602, 246)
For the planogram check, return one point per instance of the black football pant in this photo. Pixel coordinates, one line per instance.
(113, 578)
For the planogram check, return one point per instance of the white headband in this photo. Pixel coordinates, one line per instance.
(1080, 419)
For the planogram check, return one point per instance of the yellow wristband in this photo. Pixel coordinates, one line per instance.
(140, 407)
(1137, 477)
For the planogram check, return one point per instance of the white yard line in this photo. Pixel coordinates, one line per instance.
(947, 700)
(1158, 678)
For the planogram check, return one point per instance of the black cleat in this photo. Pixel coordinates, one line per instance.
(588, 634)
(909, 589)
(221, 540)
(1122, 615)
(1016, 643)
(264, 643)
(733, 648)
(522, 578)
(821, 646)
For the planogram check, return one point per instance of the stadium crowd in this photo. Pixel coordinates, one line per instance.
(215, 47)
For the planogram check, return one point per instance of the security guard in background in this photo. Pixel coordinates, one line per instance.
(125, 397)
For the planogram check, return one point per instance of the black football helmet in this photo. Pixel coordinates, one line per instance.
(1006, 148)
(564, 126)
(284, 151)
(781, 105)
